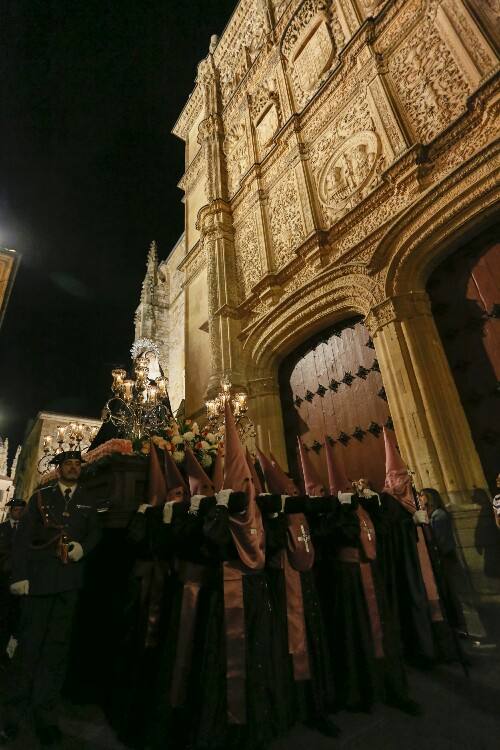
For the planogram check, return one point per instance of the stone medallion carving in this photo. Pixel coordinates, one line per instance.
(349, 171)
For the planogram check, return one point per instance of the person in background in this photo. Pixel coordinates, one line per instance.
(9, 609)
(496, 500)
(442, 530)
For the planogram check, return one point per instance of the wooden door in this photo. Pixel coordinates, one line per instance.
(332, 386)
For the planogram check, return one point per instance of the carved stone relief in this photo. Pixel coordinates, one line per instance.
(285, 219)
(347, 161)
(237, 156)
(431, 87)
(310, 46)
(265, 111)
(248, 262)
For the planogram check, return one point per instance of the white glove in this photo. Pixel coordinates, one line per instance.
(20, 588)
(345, 498)
(168, 510)
(76, 552)
(222, 497)
(143, 508)
(420, 516)
(11, 647)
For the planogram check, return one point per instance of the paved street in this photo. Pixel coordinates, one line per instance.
(460, 714)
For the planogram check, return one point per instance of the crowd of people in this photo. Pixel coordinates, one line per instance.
(255, 602)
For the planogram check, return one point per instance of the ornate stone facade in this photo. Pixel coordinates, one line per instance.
(333, 149)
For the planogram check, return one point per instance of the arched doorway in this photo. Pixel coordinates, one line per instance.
(331, 386)
(465, 295)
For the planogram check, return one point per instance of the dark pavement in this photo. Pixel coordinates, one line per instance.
(459, 714)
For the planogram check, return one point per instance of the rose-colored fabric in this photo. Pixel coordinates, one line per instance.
(173, 477)
(398, 484)
(337, 477)
(199, 482)
(352, 555)
(276, 479)
(234, 621)
(255, 477)
(157, 490)
(218, 473)
(313, 484)
(246, 528)
(193, 576)
(367, 534)
(297, 634)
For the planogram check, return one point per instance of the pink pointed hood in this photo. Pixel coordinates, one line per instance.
(277, 481)
(157, 490)
(337, 477)
(247, 529)
(397, 480)
(199, 482)
(218, 473)
(313, 484)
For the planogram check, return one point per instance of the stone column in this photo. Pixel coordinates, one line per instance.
(432, 430)
(264, 406)
(430, 423)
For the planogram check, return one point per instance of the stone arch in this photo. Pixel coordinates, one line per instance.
(330, 297)
(463, 204)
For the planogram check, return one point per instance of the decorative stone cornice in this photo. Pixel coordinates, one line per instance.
(398, 309)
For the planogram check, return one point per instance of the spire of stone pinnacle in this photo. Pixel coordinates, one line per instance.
(149, 283)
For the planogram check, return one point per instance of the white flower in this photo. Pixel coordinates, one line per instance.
(178, 456)
(206, 461)
(210, 437)
(195, 428)
(177, 439)
(188, 436)
(205, 446)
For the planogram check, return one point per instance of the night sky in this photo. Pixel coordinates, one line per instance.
(89, 170)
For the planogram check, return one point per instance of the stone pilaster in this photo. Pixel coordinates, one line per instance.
(265, 411)
(430, 423)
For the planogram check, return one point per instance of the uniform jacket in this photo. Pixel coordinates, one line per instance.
(38, 563)
(6, 541)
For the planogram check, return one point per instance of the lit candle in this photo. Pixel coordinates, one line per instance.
(60, 434)
(127, 389)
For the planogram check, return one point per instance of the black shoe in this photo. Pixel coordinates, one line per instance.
(324, 725)
(8, 733)
(49, 735)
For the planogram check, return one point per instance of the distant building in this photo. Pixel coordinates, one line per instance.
(46, 423)
(7, 476)
(9, 261)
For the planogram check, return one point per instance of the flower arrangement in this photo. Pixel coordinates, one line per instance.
(202, 442)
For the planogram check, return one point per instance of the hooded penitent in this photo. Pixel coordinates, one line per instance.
(337, 477)
(199, 482)
(255, 477)
(174, 480)
(246, 529)
(397, 479)
(314, 486)
(300, 549)
(218, 473)
(398, 484)
(157, 490)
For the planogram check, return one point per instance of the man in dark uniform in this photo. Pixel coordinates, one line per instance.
(9, 609)
(58, 530)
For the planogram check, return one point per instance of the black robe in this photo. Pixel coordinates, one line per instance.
(143, 621)
(202, 721)
(312, 699)
(424, 641)
(361, 678)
